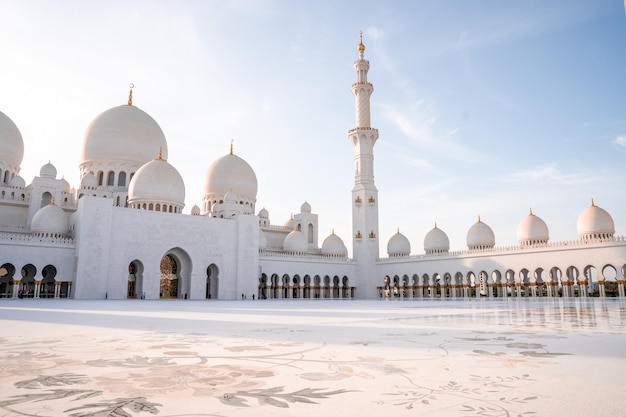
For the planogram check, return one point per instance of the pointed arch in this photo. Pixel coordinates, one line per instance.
(212, 282)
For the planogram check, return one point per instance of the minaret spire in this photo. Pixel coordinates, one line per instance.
(130, 94)
(364, 194)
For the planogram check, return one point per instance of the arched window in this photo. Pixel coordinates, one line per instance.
(121, 179)
(111, 178)
(310, 233)
(100, 177)
(46, 198)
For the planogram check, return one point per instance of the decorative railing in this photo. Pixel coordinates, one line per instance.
(308, 256)
(28, 239)
(512, 249)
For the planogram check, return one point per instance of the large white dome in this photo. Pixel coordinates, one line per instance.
(295, 242)
(398, 245)
(230, 173)
(122, 134)
(436, 241)
(480, 236)
(334, 246)
(157, 182)
(595, 223)
(11, 146)
(532, 230)
(51, 220)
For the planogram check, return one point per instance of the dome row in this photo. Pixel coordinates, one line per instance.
(593, 223)
(296, 242)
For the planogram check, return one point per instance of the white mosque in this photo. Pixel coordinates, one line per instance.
(123, 234)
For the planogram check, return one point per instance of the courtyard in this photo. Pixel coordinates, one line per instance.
(498, 357)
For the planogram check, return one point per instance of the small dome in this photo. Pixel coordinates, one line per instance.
(290, 223)
(305, 208)
(88, 181)
(50, 219)
(262, 240)
(18, 182)
(595, 223)
(230, 173)
(264, 214)
(532, 230)
(65, 186)
(398, 245)
(11, 145)
(334, 246)
(295, 242)
(157, 182)
(48, 171)
(436, 241)
(230, 197)
(122, 134)
(480, 236)
(195, 210)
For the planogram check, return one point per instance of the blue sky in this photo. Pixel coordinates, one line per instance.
(484, 108)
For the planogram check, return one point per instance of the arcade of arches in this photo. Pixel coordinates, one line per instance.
(607, 282)
(29, 285)
(305, 287)
(170, 280)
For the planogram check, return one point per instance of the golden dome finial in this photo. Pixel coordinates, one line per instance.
(361, 47)
(52, 202)
(479, 218)
(160, 157)
(531, 212)
(435, 225)
(231, 146)
(593, 204)
(130, 94)
(333, 231)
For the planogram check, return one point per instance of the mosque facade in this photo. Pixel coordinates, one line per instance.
(123, 234)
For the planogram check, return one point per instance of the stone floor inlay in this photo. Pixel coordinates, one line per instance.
(515, 357)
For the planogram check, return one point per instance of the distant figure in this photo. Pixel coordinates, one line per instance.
(252, 297)
(106, 295)
(242, 296)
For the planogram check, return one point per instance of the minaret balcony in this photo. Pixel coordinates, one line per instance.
(358, 235)
(371, 200)
(356, 129)
(358, 201)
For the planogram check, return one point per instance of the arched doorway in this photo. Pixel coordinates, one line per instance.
(317, 291)
(49, 272)
(135, 280)
(7, 271)
(307, 287)
(212, 282)
(27, 283)
(262, 295)
(170, 282)
(345, 288)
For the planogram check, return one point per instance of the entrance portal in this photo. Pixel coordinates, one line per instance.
(169, 277)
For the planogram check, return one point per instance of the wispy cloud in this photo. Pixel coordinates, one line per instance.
(419, 123)
(547, 173)
(621, 139)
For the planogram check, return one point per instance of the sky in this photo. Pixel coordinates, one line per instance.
(484, 108)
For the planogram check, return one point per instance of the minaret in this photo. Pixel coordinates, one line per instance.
(364, 194)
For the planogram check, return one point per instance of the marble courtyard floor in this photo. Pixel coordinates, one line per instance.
(512, 357)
